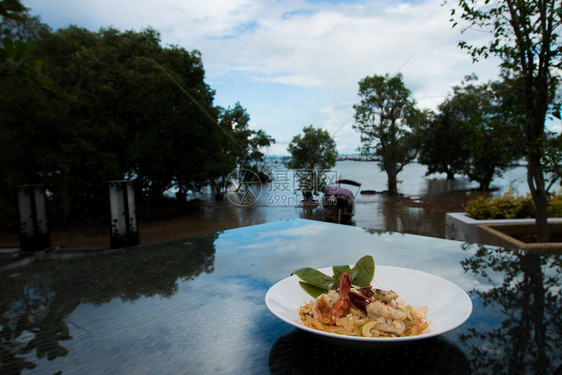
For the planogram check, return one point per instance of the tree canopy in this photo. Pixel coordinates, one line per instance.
(312, 154)
(128, 108)
(242, 146)
(441, 143)
(473, 133)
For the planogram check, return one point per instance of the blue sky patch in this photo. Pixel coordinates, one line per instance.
(298, 12)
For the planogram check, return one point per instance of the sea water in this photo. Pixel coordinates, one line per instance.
(412, 212)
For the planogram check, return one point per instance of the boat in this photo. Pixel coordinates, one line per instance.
(339, 202)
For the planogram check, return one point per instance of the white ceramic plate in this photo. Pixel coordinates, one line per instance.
(448, 305)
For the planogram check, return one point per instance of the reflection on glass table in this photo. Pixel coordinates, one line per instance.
(197, 306)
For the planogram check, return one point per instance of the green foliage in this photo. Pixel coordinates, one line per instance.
(474, 132)
(385, 118)
(552, 159)
(312, 153)
(440, 143)
(242, 146)
(19, 33)
(509, 206)
(314, 149)
(554, 207)
(489, 128)
(18, 59)
(12, 9)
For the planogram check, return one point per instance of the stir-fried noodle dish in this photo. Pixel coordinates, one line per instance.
(364, 311)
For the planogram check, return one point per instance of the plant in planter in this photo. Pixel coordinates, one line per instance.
(555, 206)
(510, 206)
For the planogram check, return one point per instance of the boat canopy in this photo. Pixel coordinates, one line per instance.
(349, 182)
(334, 190)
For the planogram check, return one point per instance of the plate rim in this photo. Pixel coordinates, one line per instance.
(297, 324)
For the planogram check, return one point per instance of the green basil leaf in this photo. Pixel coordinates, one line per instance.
(314, 291)
(340, 270)
(353, 274)
(314, 277)
(365, 268)
(338, 276)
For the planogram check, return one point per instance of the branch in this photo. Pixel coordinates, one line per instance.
(521, 38)
(552, 183)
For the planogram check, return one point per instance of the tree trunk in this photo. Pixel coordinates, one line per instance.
(535, 136)
(486, 180)
(219, 194)
(535, 180)
(392, 182)
(307, 197)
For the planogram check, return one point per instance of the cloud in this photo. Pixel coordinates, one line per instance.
(289, 61)
(306, 81)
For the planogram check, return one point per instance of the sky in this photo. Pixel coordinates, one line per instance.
(294, 63)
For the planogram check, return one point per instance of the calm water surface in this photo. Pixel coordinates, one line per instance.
(279, 200)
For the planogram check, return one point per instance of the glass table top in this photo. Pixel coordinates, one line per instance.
(196, 306)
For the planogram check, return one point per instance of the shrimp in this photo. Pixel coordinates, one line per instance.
(378, 308)
(383, 295)
(324, 305)
(327, 308)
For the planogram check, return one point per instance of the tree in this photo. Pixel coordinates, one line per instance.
(170, 118)
(473, 133)
(312, 154)
(23, 90)
(122, 116)
(440, 143)
(525, 37)
(385, 118)
(488, 128)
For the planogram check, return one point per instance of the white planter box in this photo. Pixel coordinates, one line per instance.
(458, 226)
